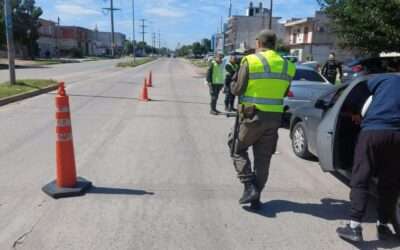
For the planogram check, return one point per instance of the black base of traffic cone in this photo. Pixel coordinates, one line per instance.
(82, 185)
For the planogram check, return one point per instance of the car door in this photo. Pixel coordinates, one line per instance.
(326, 131)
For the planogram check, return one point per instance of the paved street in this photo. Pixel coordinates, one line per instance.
(71, 72)
(161, 170)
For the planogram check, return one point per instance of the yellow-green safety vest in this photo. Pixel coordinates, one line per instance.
(270, 76)
(218, 76)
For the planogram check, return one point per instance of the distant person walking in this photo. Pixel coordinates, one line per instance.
(215, 80)
(331, 69)
(377, 153)
(231, 70)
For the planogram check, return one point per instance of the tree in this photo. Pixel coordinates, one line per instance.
(128, 47)
(206, 43)
(368, 26)
(197, 48)
(184, 50)
(26, 24)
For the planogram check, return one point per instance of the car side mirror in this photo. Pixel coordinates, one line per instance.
(321, 104)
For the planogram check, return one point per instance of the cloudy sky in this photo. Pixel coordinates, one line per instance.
(181, 21)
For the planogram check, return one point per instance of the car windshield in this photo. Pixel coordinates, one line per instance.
(307, 75)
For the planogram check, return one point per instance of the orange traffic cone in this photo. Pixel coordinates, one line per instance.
(144, 95)
(150, 83)
(66, 183)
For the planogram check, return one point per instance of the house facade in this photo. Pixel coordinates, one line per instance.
(313, 39)
(47, 41)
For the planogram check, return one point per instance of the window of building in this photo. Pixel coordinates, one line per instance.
(306, 35)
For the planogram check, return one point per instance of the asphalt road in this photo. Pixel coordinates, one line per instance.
(162, 173)
(71, 72)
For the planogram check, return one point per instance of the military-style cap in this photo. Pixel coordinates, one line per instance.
(266, 36)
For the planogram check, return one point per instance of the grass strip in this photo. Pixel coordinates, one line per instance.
(24, 86)
(199, 63)
(137, 62)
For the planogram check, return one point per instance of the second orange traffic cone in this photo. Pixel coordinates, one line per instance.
(150, 82)
(144, 95)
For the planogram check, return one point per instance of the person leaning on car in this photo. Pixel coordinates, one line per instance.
(377, 152)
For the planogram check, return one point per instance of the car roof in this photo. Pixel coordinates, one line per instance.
(304, 67)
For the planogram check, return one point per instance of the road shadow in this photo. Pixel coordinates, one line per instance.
(103, 97)
(328, 209)
(393, 243)
(117, 191)
(5, 66)
(133, 99)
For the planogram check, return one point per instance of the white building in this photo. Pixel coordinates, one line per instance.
(241, 31)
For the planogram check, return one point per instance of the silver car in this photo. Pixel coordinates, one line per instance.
(325, 129)
(307, 84)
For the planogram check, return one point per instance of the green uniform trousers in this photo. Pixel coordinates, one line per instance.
(262, 136)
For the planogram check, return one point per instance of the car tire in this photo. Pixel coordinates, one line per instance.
(396, 217)
(300, 142)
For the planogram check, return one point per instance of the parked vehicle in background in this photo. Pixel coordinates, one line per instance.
(374, 65)
(307, 84)
(325, 129)
(312, 64)
(293, 59)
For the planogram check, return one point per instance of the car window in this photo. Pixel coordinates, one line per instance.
(333, 96)
(307, 75)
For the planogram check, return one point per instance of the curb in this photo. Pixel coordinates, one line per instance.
(19, 97)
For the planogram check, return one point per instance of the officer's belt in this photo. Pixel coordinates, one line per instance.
(261, 101)
(269, 75)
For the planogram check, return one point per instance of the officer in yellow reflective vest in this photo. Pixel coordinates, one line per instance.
(263, 81)
(215, 80)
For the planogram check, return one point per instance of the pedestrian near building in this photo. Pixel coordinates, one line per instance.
(331, 69)
(231, 70)
(377, 153)
(215, 80)
(263, 81)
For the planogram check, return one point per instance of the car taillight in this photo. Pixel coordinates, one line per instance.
(290, 94)
(357, 69)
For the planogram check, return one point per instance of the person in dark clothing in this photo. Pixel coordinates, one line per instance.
(215, 80)
(231, 70)
(331, 68)
(377, 153)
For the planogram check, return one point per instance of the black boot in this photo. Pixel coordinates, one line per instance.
(213, 109)
(250, 193)
(350, 234)
(384, 232)
(255, 205)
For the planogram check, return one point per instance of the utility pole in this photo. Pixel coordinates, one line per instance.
(270, 15)
(112, 9)
(10, 40)
(154, 43)
(57, 29)
(143, 32)
(159, 42)
(133, 30)
(230, 8)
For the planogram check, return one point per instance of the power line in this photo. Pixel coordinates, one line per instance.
(112, 9)
(143, 26)
(133, 31)
(143, 32)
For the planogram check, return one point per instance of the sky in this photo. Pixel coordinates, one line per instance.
(178, 21)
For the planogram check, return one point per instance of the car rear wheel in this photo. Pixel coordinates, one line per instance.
(299, 141)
